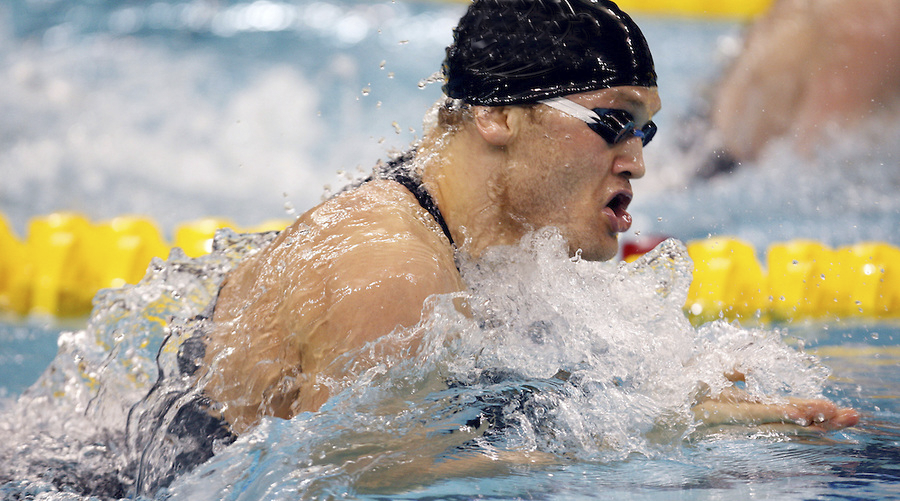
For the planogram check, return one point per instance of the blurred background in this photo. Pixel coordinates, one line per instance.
(179, 110)
(255, 110)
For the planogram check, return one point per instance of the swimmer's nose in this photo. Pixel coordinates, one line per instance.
(629, 161)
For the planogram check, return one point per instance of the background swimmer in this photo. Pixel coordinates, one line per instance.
(810, 71)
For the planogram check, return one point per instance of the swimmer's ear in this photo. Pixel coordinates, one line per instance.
(497, 124)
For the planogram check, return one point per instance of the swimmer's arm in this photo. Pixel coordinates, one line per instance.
(384, 286)
(733, 407)
(375, 290)
(385, 264)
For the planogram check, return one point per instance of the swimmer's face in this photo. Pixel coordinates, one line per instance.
(563, 174)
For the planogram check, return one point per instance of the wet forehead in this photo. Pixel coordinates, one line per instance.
(642, 102)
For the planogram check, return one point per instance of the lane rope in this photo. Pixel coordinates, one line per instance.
(65, 259)
(705, 9)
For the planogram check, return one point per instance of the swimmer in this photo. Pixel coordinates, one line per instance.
(548, 107)
(808, 70)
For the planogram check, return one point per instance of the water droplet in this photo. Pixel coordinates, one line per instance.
(288, 206)
(366, 91)
(577, 256)
(435, 77)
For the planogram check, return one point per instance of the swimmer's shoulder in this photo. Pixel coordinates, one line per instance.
(388, 238)
(376, 212)
(378, 228)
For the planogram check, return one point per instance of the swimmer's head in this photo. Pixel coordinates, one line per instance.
(522, 51)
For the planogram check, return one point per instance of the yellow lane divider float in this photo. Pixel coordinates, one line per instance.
(704, 9)
(802, 279)
(724, 9)
(66, 259)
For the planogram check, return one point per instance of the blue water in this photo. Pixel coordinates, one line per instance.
(244, 110)
(26, 348)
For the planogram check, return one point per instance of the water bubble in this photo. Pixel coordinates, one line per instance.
(576, 257)
(366, 91)
(434, 78)
(289, 206)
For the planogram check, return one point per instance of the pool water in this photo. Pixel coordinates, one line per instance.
(179, 110)
(479, 409)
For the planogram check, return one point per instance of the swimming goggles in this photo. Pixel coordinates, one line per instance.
(613, 125)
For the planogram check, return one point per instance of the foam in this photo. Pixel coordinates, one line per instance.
(558, 358)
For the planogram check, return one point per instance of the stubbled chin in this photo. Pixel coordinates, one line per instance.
(601, 251)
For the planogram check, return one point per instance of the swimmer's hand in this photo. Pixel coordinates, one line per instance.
(735, 407)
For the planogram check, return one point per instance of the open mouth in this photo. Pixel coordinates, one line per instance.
(619, 204)
(619, 218)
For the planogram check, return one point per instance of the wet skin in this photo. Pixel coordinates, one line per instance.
(361, 265)
(516, 169)
(565, 175)
(345, 273)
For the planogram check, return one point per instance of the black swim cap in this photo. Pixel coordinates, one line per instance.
(521, 51)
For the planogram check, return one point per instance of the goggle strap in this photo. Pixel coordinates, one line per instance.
(573, 109)
(602, 127)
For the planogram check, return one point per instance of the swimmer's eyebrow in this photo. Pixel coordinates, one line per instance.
(638, 108)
